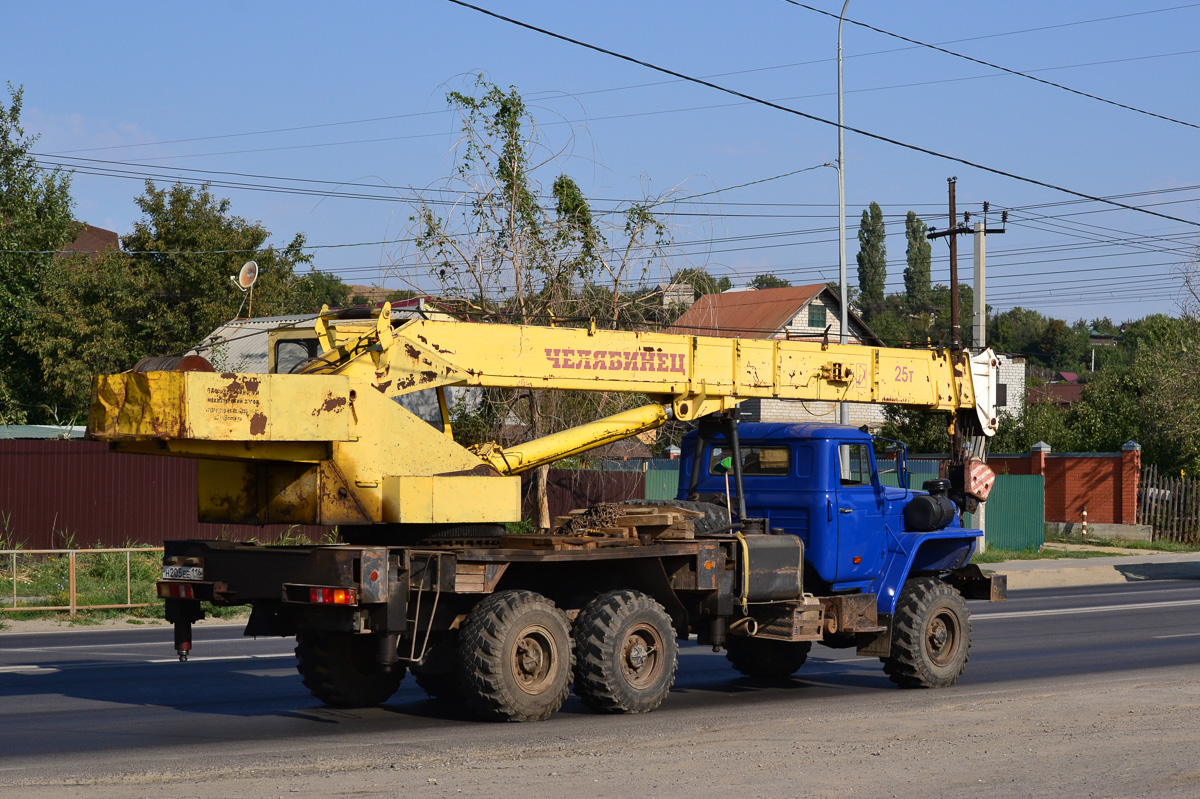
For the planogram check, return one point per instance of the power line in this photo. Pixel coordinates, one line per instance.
(990, 65)
(812, 117)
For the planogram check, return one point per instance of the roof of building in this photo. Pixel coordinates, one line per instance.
(760, 313)
(1057, 393)
(41, 431)
(92, 240)
(1069, 377)
(240, 345)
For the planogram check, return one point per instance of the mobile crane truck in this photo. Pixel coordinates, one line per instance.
(807, 546)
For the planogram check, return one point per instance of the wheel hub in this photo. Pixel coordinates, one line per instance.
(941, 638)
(533, 659)
(640, 656)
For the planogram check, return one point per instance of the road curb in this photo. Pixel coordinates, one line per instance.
(1043, 574)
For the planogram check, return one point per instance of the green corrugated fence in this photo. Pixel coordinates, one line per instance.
(1016, 512)
(662, 483)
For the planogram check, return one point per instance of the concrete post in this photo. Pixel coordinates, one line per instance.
(1131, 474)
(1037, 458)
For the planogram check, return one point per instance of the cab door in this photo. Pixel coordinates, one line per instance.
(859, 513)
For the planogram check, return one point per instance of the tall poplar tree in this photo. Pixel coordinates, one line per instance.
(920, 257)
(872, 259)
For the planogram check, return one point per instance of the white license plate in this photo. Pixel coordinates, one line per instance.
(183, 572)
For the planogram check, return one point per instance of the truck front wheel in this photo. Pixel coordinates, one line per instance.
(515, 657)
(931, 638)
(342, 669)
(625, 653)
(764, 658)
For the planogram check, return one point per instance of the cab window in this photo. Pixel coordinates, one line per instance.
(290, 354)
(755, 460)
(854, 464)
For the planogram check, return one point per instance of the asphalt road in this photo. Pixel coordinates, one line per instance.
(85, 704)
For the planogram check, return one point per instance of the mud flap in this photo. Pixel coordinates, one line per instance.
(972, 583)
(876, 644)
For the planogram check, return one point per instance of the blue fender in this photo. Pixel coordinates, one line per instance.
(941, 550)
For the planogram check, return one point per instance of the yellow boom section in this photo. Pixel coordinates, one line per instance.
(697, 374)
(330, 446)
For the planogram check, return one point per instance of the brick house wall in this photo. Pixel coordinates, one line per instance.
(1104, 484)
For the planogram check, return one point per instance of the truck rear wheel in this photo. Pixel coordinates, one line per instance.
(515, 657)
(764, 658)
(625, 653)
(437, 673)
(931, 638)
(342, 669)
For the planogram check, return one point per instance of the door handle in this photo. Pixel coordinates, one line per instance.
(845, 510)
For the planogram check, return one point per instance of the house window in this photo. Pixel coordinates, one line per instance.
(1002, 395)
(816, 316)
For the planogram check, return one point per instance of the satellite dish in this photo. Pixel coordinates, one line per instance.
(248, 275)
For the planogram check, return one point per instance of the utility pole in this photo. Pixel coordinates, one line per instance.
(957, 454)
(843, 411)
(981, 229)
(953, 232)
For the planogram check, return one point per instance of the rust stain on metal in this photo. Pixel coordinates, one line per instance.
(407, 382)
(331, 404)
(258, 424)
(428, 377)
(383, 387)
(413, 352)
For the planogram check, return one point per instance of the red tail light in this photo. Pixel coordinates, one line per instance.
(175, 591)
(332, 596)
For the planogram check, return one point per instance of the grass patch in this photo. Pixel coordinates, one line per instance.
(993, 555)
(1153, 546)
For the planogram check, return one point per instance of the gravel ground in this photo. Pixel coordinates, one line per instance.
(1128, 736)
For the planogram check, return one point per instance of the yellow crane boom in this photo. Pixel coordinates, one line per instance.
(330, 446)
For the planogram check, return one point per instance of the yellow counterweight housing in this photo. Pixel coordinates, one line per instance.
(332, 446)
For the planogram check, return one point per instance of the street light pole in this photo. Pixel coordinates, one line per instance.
(844, 414)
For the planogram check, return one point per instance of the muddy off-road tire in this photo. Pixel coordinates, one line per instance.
(625, 653)
(931, 639)
(342, 669)
(437, 674)
(515, 657)
(765, 659)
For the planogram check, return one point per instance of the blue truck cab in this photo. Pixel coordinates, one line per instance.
(821, 484)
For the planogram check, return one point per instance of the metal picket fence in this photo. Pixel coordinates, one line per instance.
(78, 579)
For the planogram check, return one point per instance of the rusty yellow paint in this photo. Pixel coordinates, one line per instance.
(332, 446)
(441, 499)
(207, 406)
(138, 405)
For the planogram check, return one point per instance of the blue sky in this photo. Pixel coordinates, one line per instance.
(355, 95)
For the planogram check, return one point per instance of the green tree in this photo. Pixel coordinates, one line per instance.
(185, 248)
(514, 251)
(768, 281)
(316, 288)
(88, 321)
(702, 281)
(1017, 330)
(163, 293)
(872, 259)
(35, 221)
(1062, 346)
(919, 255)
